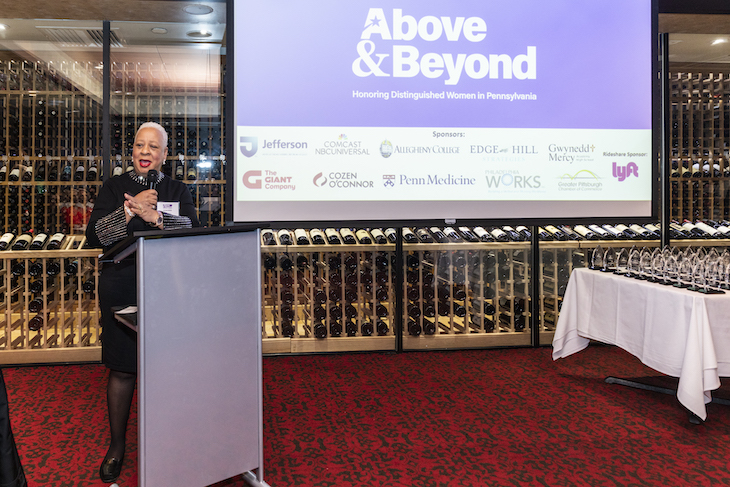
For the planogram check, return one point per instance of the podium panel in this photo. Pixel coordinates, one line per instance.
(199, 339)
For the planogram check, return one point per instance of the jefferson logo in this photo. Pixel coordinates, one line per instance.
(319, 180)
(249, 146)
(622, 172)
(252, 179)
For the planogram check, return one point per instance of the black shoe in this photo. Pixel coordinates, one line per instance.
(110, 469)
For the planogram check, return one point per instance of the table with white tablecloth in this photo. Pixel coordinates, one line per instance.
(675, 331)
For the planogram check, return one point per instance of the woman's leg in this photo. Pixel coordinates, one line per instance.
(120, 391)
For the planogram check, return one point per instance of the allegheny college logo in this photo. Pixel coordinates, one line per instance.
(248, 146)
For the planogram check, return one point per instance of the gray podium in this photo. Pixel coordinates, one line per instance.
(199, 342)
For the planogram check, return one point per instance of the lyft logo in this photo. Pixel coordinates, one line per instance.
(622, 172)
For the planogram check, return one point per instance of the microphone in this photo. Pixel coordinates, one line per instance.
(151, 179)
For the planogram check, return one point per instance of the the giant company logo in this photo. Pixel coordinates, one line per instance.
(248, 145)
(622, 172)
(510, 180)
(336, 179)
(257, 179)
(408, 62)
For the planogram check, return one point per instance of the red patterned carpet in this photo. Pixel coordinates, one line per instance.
(507, 417)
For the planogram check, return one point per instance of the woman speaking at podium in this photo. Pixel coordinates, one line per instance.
(125, 204)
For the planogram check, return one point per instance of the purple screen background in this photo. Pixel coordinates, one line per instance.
(293, 65)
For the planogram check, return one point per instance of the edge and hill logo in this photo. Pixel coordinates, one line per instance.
(623, 172)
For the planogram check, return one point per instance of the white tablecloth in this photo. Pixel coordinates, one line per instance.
(677, 332)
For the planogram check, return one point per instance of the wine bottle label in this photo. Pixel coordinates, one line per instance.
(407, 232)
(284, 237)
(498, 233)
(377, 234)
(331, 233)
(15, 174)
(346, 232)
(599, 230)
(707, 228)
(723, 229)
(391, 234)
(317, 235)
(452, 234)
(6, 239)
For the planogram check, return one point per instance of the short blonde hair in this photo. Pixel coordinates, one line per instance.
(156, 126)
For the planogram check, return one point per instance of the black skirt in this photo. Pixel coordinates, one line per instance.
(11, 470)
(118, 287)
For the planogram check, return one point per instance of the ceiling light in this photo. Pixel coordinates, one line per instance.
(720, 40)
(200, 34)
(3, 27)
(198, 9)
(159, 30)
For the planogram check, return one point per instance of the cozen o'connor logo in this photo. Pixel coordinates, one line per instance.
(622, 172)
(248, 147)
(319, 180)
(252, 179)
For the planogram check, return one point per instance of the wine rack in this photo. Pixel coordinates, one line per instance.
(52, 137)
(461, 295)
(50, 310)
(700, 133)
(324, 298)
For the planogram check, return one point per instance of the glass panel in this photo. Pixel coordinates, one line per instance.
(50, 107)
(172, 73)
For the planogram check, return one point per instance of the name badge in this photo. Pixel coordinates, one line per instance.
(170, 207)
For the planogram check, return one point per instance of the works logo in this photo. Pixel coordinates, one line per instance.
(509, 181)
(622, 172)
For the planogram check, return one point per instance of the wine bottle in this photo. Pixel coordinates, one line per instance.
(499, 234)
(366, 329)
(585, 232)
(80, 172)
(677, 231)
(54, 243)
(267, 236)
(14, 174)
(429, 327)
(711, 232)
(381, 328)
(38, 241)
(438, 235)
(4, 171)
(285, 237)
(452, 234)
(424, 236)
(483, 235)
(601, 232)
(414, 328)
(93, 172)
(333, 237)
(348, 237)
(318, 237)
(66, 173)
(556, 233)
(35, 323)
(363, 237)
(643, 232)
(6, 240)
(71, 267)
(468, 234)
(379, 236)
(192, 174)
(627, 232)
(484, 306)
(512, 233)
(28, 171)
(409, 236)
(301, 236)
(22, 242)
(543, 235)
(524, 232)
(391, 235)
(693, 230)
